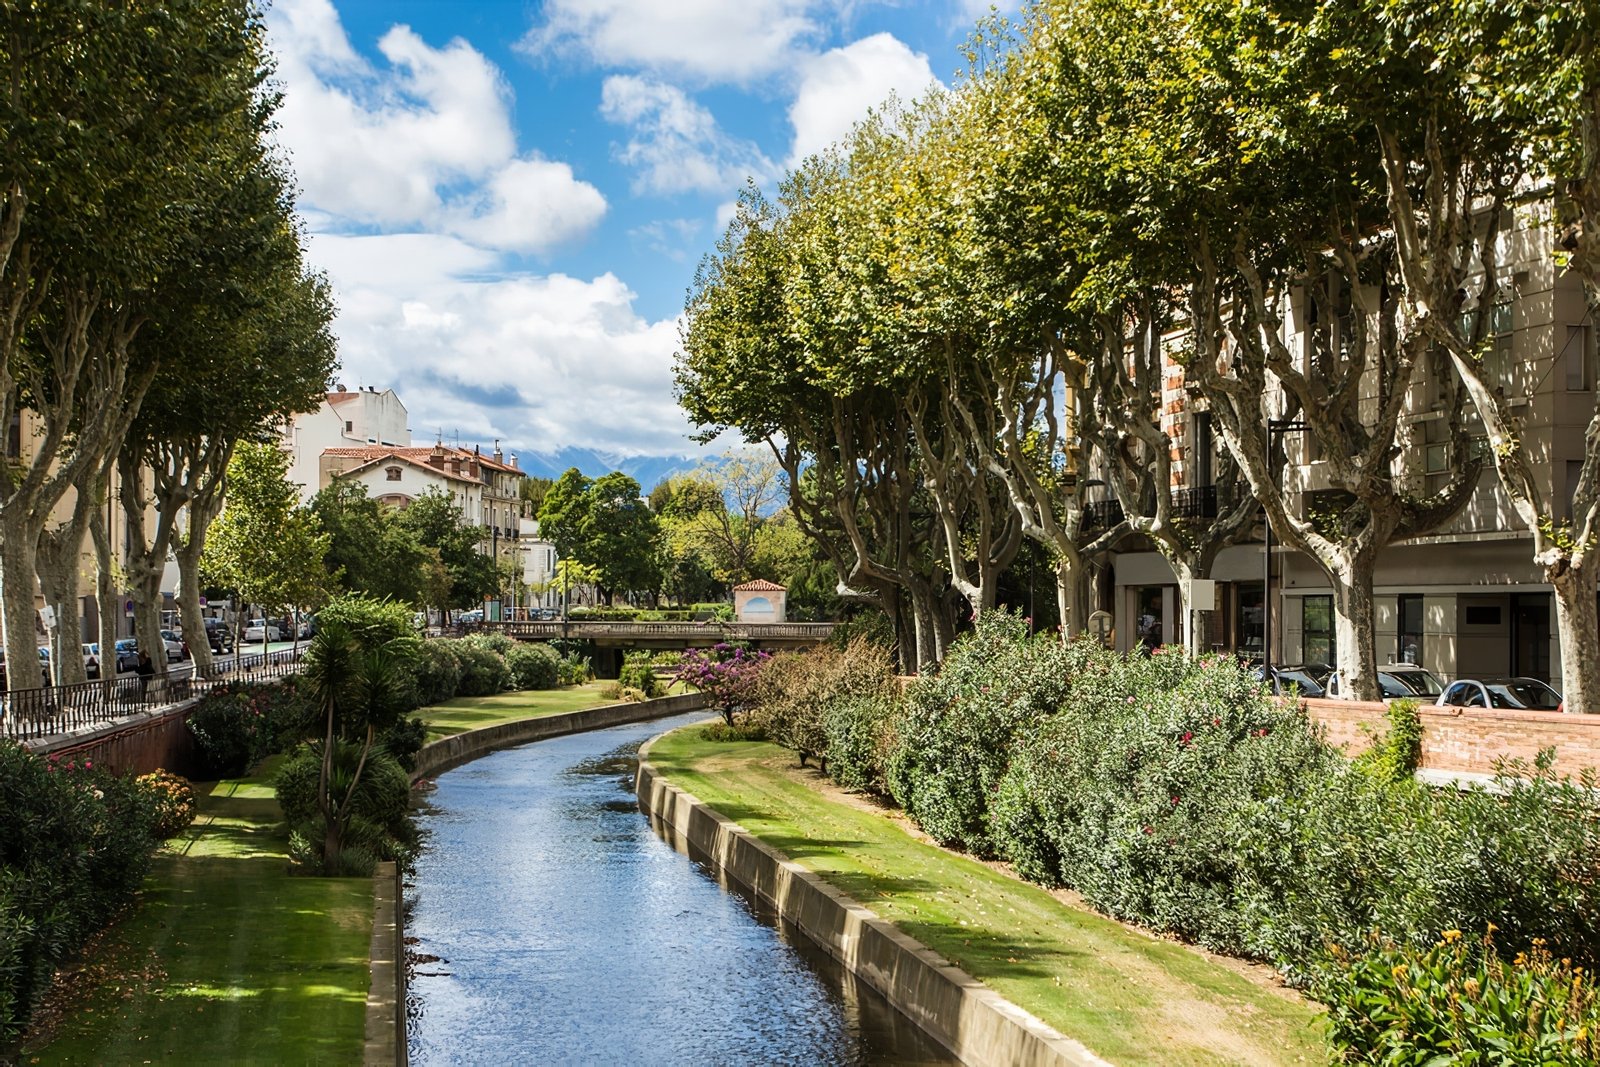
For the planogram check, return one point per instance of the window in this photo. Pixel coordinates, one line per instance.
(1316, 630)
(1480, 615)
(1148, 626)
(348, 426)
(1575, 358)
(392, 473)
(1497, 363)
(1410, 629)
(1248, 619)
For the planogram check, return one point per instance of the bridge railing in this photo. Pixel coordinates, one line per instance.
(690, 632)
(31, 714)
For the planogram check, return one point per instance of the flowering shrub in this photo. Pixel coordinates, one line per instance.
(533, 666)
(172, 800)
(437, 671)
(725, 672)
(1460, 1001)
(997, 687)
(483, 668)
(75, 844)
(230, 726)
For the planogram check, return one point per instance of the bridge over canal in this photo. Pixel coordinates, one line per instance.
(614, 638)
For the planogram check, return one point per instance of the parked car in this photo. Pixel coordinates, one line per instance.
(470, 618)
(44, 669)
(1523, 694)
(1400, 681)
(259, 630)
(177, 650)
(127, 652)
(218, 636)
(91, 661)
(1310, 679)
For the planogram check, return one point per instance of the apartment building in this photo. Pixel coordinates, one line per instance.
(1466, 598)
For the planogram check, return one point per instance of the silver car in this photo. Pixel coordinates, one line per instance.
(1517, 694)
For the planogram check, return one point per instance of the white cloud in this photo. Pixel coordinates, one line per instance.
(705, 40)
(837, 88)
(540, 362)
(380, 146)
(676, 145)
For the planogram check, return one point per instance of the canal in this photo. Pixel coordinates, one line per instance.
(552, 925)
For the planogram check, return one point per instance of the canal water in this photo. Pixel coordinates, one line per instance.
(552, 926)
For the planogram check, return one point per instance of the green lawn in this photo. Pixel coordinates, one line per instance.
(1130, 997)
(473, 713)
(229, 959)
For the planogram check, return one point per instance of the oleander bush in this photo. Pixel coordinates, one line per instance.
(483, 670)
(239, 724)
(997, 687)
(75, 844)
(437, 671)
(533, 666)
(861, 739)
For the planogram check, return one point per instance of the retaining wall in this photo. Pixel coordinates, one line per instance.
(441, 755)
(138, 744)
(386, 996)
(976, 1024)
(1467, 741)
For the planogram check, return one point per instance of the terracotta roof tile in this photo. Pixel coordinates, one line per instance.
(760, 585)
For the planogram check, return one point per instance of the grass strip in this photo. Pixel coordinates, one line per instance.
(1131, 997)
(228, 958)
(473, 713)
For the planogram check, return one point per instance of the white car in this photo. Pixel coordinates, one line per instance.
(260, 630)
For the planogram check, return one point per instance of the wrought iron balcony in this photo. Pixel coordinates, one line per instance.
(1101, 515)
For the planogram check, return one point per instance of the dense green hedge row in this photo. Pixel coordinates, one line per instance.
(75, 844)
(1173, 792)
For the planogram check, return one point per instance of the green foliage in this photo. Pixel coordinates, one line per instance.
(436, 523)
(437, 671)
(403, 741)
(378, 824)
(996, 688)
(369, 550)
(860, 733)
(238, 724)
(171, 799)
(1460, 1001)
(638, 672)
(1395, 755)
(483, 670)
(533, 666)
(868, 624)
(796, 691)
(265, 547)
(722, 733)
(575, 669)
(75, 844)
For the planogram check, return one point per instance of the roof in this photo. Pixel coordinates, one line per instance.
(371, 457)
(760, 585)
(416, 454)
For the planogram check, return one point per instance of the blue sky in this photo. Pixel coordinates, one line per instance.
(510, 198)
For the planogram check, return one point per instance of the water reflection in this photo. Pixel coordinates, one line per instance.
(551, 925)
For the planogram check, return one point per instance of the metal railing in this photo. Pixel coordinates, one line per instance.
(693, 632)
(31, 714)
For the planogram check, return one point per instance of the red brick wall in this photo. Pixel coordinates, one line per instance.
(161, 741)
(1471, 739)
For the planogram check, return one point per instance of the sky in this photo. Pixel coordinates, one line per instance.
(510, 197)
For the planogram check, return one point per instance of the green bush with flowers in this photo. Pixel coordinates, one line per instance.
(75, 844)
(1460, 1000)
(239, 724)
(172, 801)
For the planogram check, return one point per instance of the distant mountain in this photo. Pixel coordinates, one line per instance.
(648, 471)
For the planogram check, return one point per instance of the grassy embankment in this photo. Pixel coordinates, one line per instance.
(1130, 997)
(228, 957)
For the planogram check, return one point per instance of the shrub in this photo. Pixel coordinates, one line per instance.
(860, 732)
(75, 844)
(172, 800)
(483, 670)
(230, 726)
(725, 672)
(403, 741)
(533, 666)
(380, 826)
(437, 671)
(1459, 1001)
(722, 733)
(639, 673)
(868, 624)
(997, 686)
(575, 669)
(795, 692)
(611, 691)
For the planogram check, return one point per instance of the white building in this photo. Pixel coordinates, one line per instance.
(344, 419)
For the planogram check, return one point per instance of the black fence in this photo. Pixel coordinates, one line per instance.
(30, 714)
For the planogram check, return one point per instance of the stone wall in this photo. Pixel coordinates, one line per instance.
(441, 755)
(976, 1024)
(1468, 741)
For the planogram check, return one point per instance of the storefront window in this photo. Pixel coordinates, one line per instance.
(1410, 629)
(1248, 619)
(1317, 630)
(1149, 618)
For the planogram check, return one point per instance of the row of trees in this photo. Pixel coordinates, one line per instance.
(690, 540)
(155, 308)
(946, 325)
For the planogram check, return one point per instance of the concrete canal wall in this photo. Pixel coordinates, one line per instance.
(976, 1024)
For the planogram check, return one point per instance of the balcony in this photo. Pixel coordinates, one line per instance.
(1101, 515)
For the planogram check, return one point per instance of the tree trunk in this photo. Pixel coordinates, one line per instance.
(105, 592)
(18, 567)
(1578, 623)
(58, 578)
(194, 625)
(1067, 600)
(1354, 623)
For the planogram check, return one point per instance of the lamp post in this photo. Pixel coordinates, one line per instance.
(1275, 428)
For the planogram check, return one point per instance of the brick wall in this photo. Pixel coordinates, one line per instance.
(1470, 740)
(136, 746)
